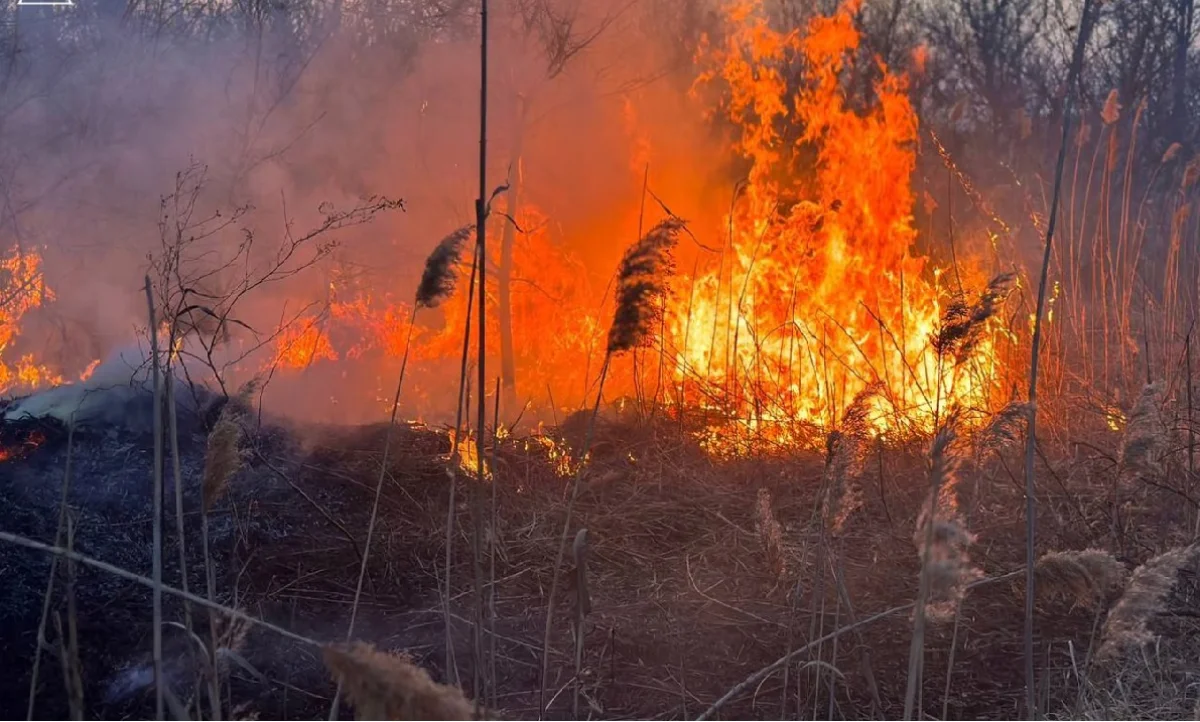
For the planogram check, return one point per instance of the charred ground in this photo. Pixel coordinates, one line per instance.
(685, 602)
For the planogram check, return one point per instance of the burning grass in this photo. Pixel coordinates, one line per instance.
(721, 565)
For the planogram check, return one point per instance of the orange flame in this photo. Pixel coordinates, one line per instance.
(22, 289)
(819, 292)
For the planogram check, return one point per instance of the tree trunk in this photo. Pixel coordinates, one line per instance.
(1183, 40)
(508, 364)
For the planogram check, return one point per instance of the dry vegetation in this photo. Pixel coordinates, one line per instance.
(727, 548)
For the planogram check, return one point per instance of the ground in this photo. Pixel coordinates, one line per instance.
(686, 600)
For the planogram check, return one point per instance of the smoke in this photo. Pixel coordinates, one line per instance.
(286, 112)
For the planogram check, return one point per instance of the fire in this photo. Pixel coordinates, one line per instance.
(23, 447)
(818, 292)
(23, 289)
(302, 343)
(467, 453)
(813, 291)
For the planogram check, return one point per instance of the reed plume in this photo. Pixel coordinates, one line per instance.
(962, 323)
(1145, 438)
(843, 461)
(222, 457)
(1171, 152)
(1003, 429)
(641, 280)
(379, 685)
(1112, 108)
(1145, 597)
(770, 533)
(439, 278)
(1191, 173)
(941, 536)
(1090, 578)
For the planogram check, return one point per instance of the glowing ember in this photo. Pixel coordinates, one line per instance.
(22, 449)
(467, 454)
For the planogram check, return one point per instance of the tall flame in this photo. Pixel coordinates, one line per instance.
(813, 291)
(818, 292)
(22, 289)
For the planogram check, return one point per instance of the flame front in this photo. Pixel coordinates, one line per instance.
(818, 292)
(809, 290)
(814, 291)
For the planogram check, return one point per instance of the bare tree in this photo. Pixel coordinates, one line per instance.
(199, 289)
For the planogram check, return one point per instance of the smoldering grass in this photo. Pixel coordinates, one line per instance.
(1127, 626)
(440, 276)
(380, 685)
(642, 279)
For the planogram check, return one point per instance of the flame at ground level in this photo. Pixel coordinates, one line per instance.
(812, 291)
(814, 295)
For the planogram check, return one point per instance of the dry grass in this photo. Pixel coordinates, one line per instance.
(440, 276)
(384, 686)
(1091, 578)
(223, 457)
(641, 281)
(1128, 625)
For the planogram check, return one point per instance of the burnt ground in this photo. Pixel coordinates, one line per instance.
(685, 602)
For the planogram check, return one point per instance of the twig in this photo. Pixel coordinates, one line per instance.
(387, 447)
(583, 605)
(1191, 440)
(148, 582)
(1031, 435)
(157, 511)
(761, 674)
(576, 482)
(493, 702)
(481, 209)
(46, 598)
(451, 507)
(72, 673)
(177, 470)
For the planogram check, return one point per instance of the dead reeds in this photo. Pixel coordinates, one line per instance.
(1090, 578)
(641, 280)
(384, 686)
(1127, 625)
(440, 275)
(1144, 439)
(643, 277)
(842, 494)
